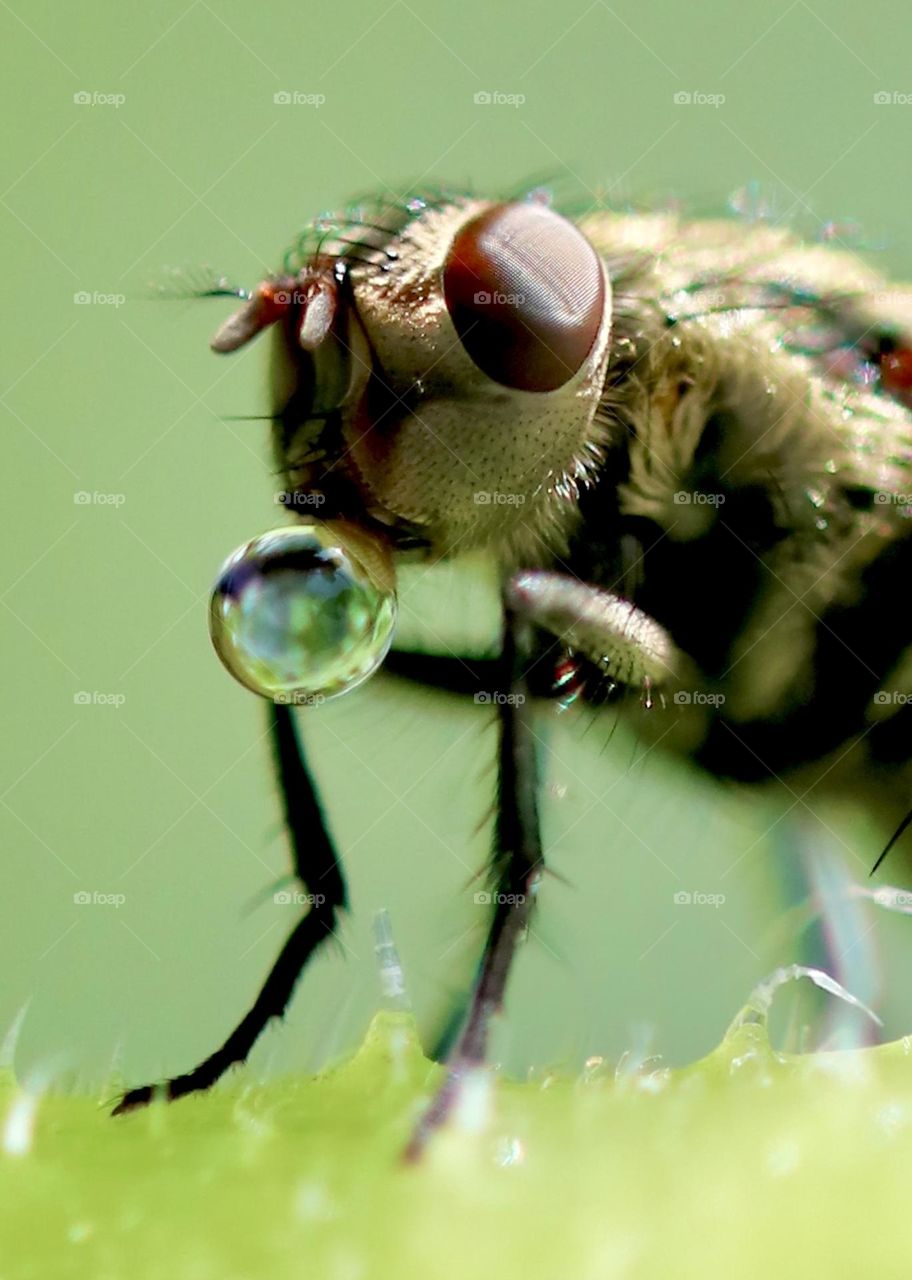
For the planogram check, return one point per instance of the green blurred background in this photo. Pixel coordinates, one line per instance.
(162, 796)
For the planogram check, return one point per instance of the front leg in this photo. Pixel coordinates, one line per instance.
(516, 867)
(629, 648)
(319, 871)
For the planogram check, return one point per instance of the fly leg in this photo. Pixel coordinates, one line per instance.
(611, 633)
(516, 867)
(628, 646)
(317, 867)
(631, 648)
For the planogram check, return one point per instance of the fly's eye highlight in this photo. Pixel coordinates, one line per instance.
(526, 293)
(304, 613)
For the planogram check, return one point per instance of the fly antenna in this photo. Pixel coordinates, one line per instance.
(181, 284)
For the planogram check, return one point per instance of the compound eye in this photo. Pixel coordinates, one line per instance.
(526, 293)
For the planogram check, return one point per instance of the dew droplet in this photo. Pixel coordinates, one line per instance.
(595, 1069)
(19, 1125)
(510, 1151)
(892, 1117)
(304, 613)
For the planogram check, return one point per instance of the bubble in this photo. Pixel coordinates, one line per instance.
(304, 613)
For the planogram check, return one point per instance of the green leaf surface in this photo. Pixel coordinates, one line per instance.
(748, 1163)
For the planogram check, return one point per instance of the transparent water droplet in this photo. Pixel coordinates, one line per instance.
(655, 1082)
(304, 613)
(892, 1117)
(750, 1058)
(595, 1069)
(19, 1124)
(510, 1151)
(392, 978)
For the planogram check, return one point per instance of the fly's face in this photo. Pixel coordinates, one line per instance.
(440, 377)
(437, 367)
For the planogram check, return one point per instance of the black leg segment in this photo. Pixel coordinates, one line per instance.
(516, 867)
(317, 867)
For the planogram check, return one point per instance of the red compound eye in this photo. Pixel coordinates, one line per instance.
(526, 293)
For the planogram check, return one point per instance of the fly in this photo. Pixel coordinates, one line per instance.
(686, 446)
